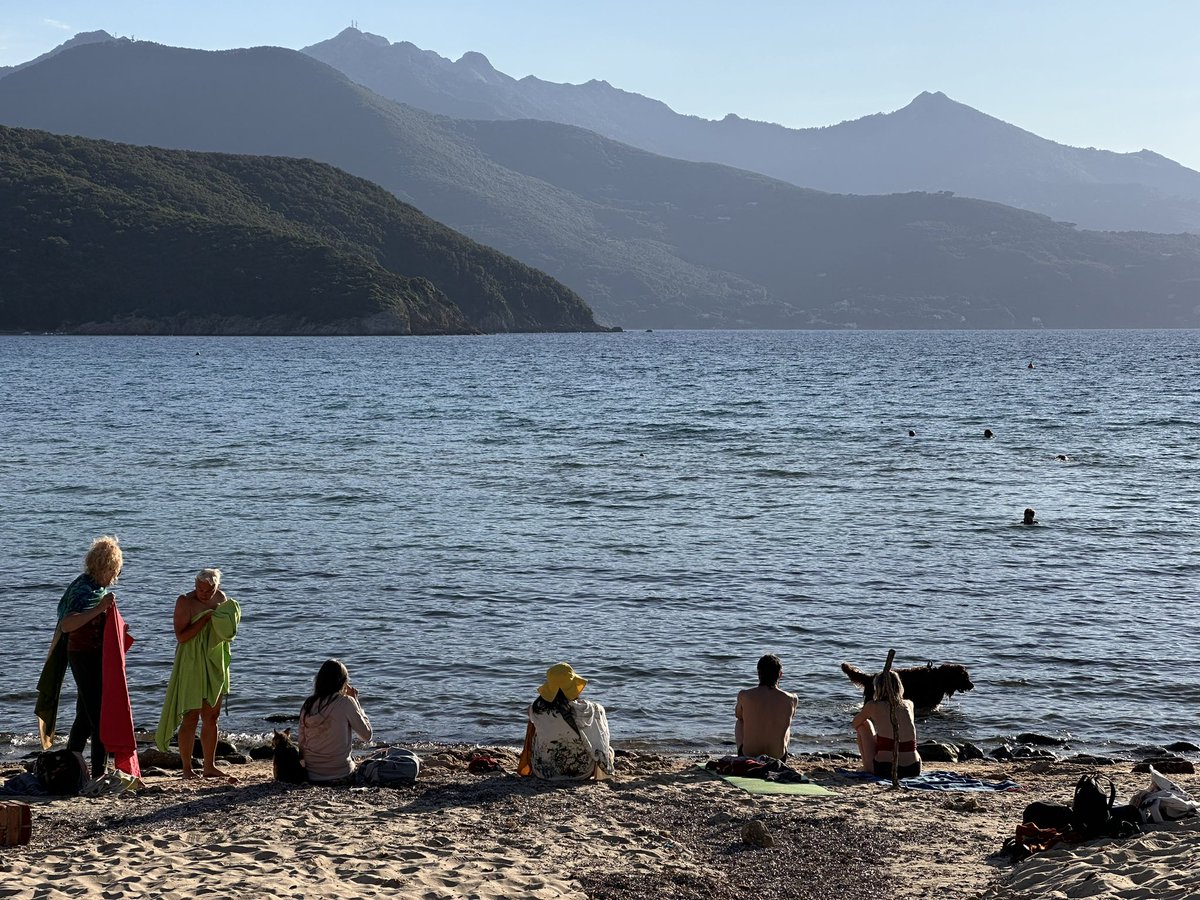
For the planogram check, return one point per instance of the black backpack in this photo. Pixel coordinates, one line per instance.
(60, 772)
(1092, 806)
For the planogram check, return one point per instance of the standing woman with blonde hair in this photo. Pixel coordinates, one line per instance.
(205, 621)
(79, 643)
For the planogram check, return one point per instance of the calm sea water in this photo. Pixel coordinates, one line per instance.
(452, 515)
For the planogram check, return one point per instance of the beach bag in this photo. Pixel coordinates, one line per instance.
(60, 772)
(1048, 815)
(395, 768)
(1092, 806)
(1124, 821)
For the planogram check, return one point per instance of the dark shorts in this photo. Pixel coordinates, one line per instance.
(781, 759)
(884, 769)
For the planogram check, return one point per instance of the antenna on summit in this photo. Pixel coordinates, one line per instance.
(354, 24)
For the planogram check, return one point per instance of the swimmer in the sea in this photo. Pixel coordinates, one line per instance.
(911, 433)
(1029, 517)
(987, 433)
(1062, 457)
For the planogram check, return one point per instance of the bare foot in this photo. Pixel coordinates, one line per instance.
(214, 772)
(189, 774)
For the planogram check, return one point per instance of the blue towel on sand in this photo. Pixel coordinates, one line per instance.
(938, 781)
(24, 785)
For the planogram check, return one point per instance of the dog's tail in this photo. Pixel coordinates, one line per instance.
(855, 674)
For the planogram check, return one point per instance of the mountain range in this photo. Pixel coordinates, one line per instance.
(646, 240)
(932, 144)
(112, 238)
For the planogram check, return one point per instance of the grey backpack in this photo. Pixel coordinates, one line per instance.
(393, 768)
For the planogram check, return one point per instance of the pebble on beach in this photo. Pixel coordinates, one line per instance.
(755, 834)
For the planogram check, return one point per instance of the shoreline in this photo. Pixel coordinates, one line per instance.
(16, 748)
(663, 828)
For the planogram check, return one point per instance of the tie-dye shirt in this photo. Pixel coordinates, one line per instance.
(81, 595)
(561, 752)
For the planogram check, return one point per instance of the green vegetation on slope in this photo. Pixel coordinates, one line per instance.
(110, 237)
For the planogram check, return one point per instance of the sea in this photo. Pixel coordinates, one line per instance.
(452, 515)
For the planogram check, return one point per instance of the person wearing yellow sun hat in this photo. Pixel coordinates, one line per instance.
(566, 738)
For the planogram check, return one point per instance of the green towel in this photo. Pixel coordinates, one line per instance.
(762, 786)
(201, 671)
(49, 687)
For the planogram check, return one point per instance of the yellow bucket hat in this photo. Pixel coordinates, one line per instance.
(562, 677)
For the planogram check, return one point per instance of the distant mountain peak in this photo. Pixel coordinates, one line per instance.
(352, 34)
(932, 101)
(472, 59)
(84, 37)
(87, 37)
(935, 107)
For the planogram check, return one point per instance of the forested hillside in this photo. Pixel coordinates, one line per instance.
(106, 236)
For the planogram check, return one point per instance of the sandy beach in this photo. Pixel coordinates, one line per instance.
(663, 829)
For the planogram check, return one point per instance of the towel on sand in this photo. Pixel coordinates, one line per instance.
(762, 786)
(937, 781)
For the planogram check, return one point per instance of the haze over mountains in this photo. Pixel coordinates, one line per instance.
(647, 240)
(932, 144)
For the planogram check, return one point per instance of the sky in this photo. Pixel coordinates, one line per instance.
(1117, 75)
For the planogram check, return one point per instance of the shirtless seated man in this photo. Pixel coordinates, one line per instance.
(764, 713)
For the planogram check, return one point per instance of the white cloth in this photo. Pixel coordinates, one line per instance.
(327, 736)
(1165, 801)
(562, 753)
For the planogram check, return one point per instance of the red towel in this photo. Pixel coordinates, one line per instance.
(116, 713)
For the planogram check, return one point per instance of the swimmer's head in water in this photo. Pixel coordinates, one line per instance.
(911, 433)
(1029, 517)
(987, 433)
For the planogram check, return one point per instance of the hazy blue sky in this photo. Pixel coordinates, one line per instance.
(1119, 75)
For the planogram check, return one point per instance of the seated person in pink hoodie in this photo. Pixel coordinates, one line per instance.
(329, 721)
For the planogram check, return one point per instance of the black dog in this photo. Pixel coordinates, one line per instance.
(285, 760)
(926, 686)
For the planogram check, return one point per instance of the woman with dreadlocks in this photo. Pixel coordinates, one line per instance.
(878, 742)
